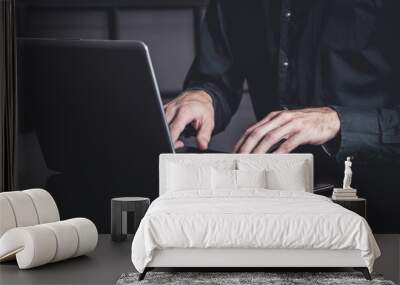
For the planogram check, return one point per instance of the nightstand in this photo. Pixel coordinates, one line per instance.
(119, 215)
(358, 205)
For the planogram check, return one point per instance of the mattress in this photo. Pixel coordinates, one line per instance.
(251, 219)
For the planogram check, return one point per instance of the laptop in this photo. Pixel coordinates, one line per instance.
(87, 96)
(91, 123)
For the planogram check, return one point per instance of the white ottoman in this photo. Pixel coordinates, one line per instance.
(31, 230)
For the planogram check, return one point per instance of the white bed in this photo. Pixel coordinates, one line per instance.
(249, 227)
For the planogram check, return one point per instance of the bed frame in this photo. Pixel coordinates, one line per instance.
(246, 258)
(243, 259)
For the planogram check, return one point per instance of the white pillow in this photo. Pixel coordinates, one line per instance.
(293, 179)
(183, 177)
(223, 179)
(228, 179)
(251, 178)
(281, 174)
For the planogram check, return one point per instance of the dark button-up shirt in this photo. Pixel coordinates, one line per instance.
(296, 54)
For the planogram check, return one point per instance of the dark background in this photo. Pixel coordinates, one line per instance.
(170, 29)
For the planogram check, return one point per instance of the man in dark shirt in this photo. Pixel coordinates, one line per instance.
(318, 73)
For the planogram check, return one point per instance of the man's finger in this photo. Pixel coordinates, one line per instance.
(179, 144)
(290, 144)
(266, 119)
(274, 137)
(170, 112)
(179, 123)
(252, 139)
(240, 142)
(204, 135)
(269, 117)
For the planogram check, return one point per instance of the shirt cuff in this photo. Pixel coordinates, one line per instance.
(359, 131)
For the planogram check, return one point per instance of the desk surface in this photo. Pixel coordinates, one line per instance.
(103, 266)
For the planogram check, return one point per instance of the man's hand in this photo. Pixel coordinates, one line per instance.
(314, 126)
(195, 108)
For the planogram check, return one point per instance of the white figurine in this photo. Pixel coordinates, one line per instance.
(348, 173)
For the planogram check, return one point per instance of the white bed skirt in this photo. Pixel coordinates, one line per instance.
(236, 257)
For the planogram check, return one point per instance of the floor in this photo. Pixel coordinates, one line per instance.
(389, 262)
(110, 260)
(104, 266)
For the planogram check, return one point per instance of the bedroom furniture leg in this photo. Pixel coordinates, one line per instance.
(364, 271)
(143, 274)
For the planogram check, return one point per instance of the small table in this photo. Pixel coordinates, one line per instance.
(357, 205)
(119, 209)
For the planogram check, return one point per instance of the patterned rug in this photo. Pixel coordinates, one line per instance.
(268, 278)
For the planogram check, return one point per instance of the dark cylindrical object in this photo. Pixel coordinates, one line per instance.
(119, 215)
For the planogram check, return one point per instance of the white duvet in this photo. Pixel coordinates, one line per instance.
(250, 218)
